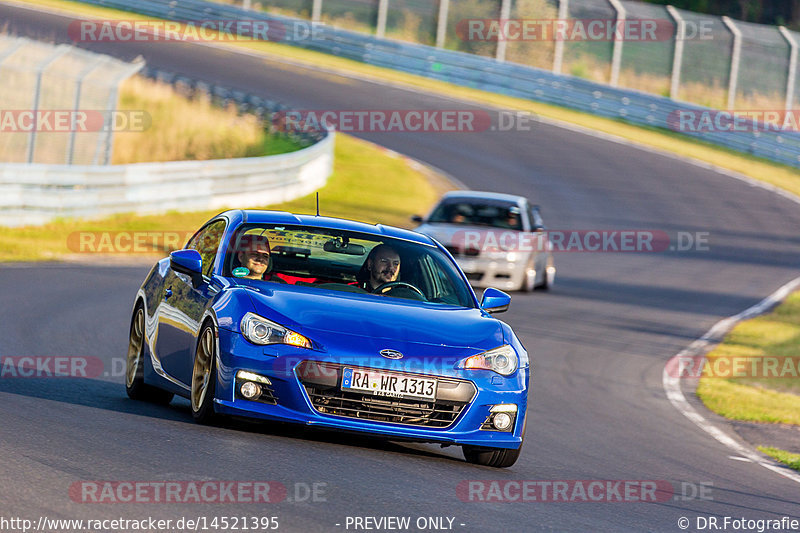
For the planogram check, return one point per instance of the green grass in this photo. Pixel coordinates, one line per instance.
(368, 184)
(184, 128)
(758, 399)
(782, 176)
(792, 460)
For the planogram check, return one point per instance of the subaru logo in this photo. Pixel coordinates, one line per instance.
(391, 354)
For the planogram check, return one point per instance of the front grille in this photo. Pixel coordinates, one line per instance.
(327, 398)
(474, 276)
(380, 409)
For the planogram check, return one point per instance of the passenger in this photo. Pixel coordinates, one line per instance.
(457, 217)
(382, 266)
(254, 255)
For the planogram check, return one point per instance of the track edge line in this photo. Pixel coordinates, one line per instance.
(672, 384)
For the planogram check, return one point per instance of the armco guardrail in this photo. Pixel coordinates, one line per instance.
(37, 193)
(488, 74)
(246, 103)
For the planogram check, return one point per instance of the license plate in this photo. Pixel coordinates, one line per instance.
(388, 384)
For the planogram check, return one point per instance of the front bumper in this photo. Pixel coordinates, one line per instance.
(497, 273)
(468, 394)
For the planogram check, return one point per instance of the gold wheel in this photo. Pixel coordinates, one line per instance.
(201, 373)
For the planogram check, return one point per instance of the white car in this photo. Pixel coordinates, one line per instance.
(498, 240)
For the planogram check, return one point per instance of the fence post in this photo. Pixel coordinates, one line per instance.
(792, 66)
(11, 49)
(441, 23)
(316, 11)
(677, 53)
(383, 7)
(735, 56)
(91, 67)
(558, 54)
(39, 69)
(616, 55)
(110, 106)
(505, 13)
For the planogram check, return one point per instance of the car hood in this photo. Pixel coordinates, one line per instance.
(356, 321)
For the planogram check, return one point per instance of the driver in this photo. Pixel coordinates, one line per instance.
(383, 266)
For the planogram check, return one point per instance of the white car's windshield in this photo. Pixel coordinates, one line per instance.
(478, 213)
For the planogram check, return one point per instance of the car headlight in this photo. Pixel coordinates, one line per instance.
(259, 330)
(502, 360)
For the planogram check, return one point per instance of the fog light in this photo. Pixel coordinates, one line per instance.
(501, 421)
(244, 375)
(504, 408)
(250, 390)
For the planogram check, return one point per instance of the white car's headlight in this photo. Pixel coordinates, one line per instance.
(259, 330)
(502, 360)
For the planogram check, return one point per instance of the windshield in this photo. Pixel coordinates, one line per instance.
(477, 212)
(329, 259)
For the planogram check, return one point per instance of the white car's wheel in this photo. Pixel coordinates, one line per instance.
(529, 277)
(548, 276)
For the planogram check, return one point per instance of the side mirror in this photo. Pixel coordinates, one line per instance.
(495, 301)
(187, 262)
(417, 219)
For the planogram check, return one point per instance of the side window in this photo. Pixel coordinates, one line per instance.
(441, 287)
(206, 241)
(536, 217)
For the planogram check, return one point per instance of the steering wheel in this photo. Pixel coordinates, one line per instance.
(391, 285)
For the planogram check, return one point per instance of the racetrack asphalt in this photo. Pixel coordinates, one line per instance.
(599, 341)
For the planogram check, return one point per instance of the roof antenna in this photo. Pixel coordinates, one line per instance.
(317, 203)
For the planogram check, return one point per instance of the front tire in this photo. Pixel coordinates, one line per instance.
(494, 457)
(204, 377)
(135, 386)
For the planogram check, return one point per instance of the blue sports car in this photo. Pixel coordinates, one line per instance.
(330, 323)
